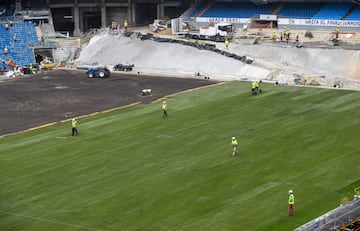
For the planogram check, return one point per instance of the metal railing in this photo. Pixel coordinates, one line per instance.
(335, 219)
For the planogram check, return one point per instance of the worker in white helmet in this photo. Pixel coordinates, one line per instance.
(73, 126)
(234, 145)
(291, 203)
(164, 107)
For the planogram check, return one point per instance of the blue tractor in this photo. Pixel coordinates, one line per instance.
(99, 71)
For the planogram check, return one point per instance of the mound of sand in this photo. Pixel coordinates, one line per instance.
(271, 62)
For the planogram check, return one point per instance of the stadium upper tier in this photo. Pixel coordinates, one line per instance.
(238, 9)
(300, 10)
(334, 10)
(19, 51)
(355, 15)
(319, 10)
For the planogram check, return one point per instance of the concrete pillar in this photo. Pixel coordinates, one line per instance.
(160, 9)
(82, 27)
(18, 5)
(131, 15)
(76, 19)
(103, 14)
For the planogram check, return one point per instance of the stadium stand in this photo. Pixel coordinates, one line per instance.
(300, 10)
(355, 15)
(197, 10)
(19, 51)
(238, 9)
(333, 10)
(318, 10)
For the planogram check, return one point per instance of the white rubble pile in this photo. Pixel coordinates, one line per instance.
(271, 62)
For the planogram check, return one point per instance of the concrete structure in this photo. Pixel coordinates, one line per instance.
(83, 15)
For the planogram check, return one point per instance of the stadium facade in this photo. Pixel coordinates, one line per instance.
(82, 15)
(79, 16)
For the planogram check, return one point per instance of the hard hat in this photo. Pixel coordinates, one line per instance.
(73, 119)
(164, 101)
(290, 191)
(233, 137)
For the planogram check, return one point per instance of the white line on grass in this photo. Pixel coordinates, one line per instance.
(157, 177)
(189, 163)
(253, 193)
(48, 220)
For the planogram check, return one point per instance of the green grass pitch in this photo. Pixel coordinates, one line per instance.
(132, 170)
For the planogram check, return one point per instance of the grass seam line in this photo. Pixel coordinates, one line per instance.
(48, 220)
(186, 91)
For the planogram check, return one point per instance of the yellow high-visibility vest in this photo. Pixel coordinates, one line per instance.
(253, 85)
(291, 199)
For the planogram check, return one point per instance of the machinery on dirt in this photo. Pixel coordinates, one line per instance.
(160, 25)
(47, 64)
(98, 71)
(213, 31)
(123, 67)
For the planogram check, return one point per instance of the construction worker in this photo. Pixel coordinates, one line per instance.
(164, 107)
(273, 36)
(126, 25)
(6, 50)
(287, 33)
(31, 68)
(291, 203)
(6, 26)
(337, 31)
(257, 83)
(253, 87)
(226, 43)
(234, 145)
(14, 37)
(73, 127)
(113, 25)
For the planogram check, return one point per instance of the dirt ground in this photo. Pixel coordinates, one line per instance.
(31, 101)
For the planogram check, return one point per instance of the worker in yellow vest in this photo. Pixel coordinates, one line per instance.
(74, 127)
(6, 50)
(226, 43)
(337, 31)
(234, 145)
(164, 107)
(257, 84)
(291, 203)
(125, 25)
(253, 87)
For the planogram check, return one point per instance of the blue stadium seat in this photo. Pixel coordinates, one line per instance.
(317, 10)
(237, 10)
(197, 10)
(355, 15)
(300, 10)
(19, 50)
(333, 10)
